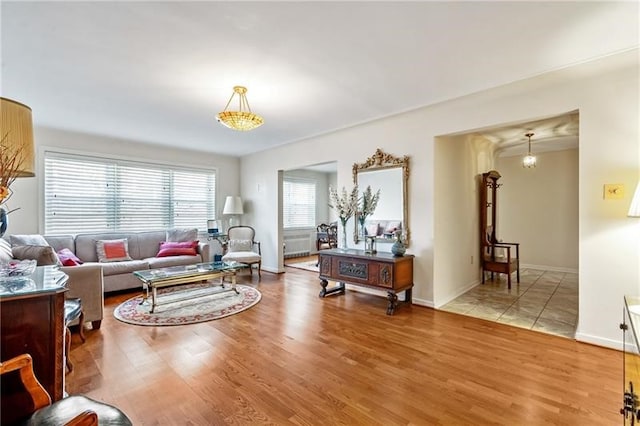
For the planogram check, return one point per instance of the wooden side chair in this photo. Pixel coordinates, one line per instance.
(72, 311)
(74, 410)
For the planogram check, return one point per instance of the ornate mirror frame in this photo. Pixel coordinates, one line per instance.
(380, 161)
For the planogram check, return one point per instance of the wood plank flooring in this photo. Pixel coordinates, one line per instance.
(297, 359)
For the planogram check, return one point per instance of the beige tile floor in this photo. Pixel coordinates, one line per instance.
(545, 301)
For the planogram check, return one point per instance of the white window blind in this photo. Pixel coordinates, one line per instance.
(299, 203)
(87, 194)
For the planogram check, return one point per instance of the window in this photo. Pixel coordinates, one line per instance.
(299, 203)
(90, 194)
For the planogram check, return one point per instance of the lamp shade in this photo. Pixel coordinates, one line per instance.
(634, 209)
(233, 205)
(16, 130)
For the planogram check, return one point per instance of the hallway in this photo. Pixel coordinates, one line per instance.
(545, 301)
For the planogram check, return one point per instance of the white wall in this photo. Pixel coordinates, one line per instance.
(459, 162)
(28, 191)
(538, 208)
(606, 94)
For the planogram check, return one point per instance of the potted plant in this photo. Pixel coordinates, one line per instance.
(345, 205)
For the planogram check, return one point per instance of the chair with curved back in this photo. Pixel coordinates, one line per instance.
(241, 247)
(74, 410)
(326, 236)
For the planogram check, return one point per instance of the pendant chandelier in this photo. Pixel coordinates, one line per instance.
(529, 161)
(242, 119)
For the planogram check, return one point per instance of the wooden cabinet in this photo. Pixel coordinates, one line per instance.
(32, 321)
(381, 271)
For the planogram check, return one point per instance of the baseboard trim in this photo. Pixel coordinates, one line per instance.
(549, 268)
(599, 341)
(460, 292)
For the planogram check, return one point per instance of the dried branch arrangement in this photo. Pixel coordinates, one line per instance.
(10, 163)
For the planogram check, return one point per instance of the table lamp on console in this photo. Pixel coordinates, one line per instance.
(233, 208)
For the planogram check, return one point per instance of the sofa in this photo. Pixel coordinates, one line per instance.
(91, 279)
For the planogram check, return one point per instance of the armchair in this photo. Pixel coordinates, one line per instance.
(241, 247)
(326, 236)
(73, 410)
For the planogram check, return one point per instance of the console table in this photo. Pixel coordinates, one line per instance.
(32, 321)
(382, 271)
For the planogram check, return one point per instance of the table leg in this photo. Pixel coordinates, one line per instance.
(154, 295)
(233, 282)
(340, 288)
(393, 302)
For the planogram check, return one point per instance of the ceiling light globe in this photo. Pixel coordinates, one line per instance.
(529, 161)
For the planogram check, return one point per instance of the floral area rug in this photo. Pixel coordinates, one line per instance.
(187, 304)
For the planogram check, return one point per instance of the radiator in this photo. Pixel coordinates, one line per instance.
(299, 244)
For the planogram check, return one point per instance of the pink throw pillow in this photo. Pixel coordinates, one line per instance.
(67, 258)
(187, 248)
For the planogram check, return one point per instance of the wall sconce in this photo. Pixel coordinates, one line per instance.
(370, 244)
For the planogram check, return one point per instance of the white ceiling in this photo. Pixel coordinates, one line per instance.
(159, 71)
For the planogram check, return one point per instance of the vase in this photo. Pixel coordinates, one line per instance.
(343, 243)
(3, 221)
(398, 248)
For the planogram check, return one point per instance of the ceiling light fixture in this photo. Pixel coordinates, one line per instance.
(243, 119)
(529, 161)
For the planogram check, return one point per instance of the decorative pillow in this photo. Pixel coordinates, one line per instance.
(6, 255)
(372, 228)
(43, 255)
(181, 235)
(392, 225)
(169, 248)
(67, 258)
(28, 240)
(112, 250)
(240, 245)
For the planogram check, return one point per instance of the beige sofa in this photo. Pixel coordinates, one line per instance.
(92, 279)
(143, 247)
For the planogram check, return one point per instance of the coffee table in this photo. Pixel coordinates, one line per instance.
(153, 279)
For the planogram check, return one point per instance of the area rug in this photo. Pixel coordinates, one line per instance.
(307, 266)
(207, 304)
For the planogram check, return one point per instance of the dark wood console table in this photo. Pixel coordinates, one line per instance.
(32, 321)
(381, 271)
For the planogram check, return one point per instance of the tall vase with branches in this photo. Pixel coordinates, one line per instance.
(10, 162)
(367, 207)
(345, 205)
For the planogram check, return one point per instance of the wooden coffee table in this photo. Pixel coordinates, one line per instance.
(153, 279)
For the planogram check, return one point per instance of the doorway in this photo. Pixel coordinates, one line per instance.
(537, 208)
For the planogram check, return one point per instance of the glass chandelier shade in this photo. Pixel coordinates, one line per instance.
(243, 119)
(529, 160)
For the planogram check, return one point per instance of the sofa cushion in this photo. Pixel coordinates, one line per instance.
(28, 240)
(188, 248)
(240, 245)
(113, 250)
(59, 242)
(67, 258)
(44, 255)
(241, 256)
(164, 262)
(179, 235)
(124, 267)
(5, 252)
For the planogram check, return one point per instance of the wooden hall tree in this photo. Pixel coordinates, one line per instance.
(495, 255)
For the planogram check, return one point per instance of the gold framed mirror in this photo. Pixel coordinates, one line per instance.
(390, 175)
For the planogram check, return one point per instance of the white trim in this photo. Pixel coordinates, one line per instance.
(549, 268)
(460, 292)
(599, 341)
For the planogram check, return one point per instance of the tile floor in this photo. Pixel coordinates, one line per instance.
(545, 301)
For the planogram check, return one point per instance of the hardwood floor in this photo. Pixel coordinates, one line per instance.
(297, 359)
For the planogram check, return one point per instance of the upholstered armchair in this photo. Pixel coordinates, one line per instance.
(242, 246)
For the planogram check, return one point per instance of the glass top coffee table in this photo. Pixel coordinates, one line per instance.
(153, 279)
